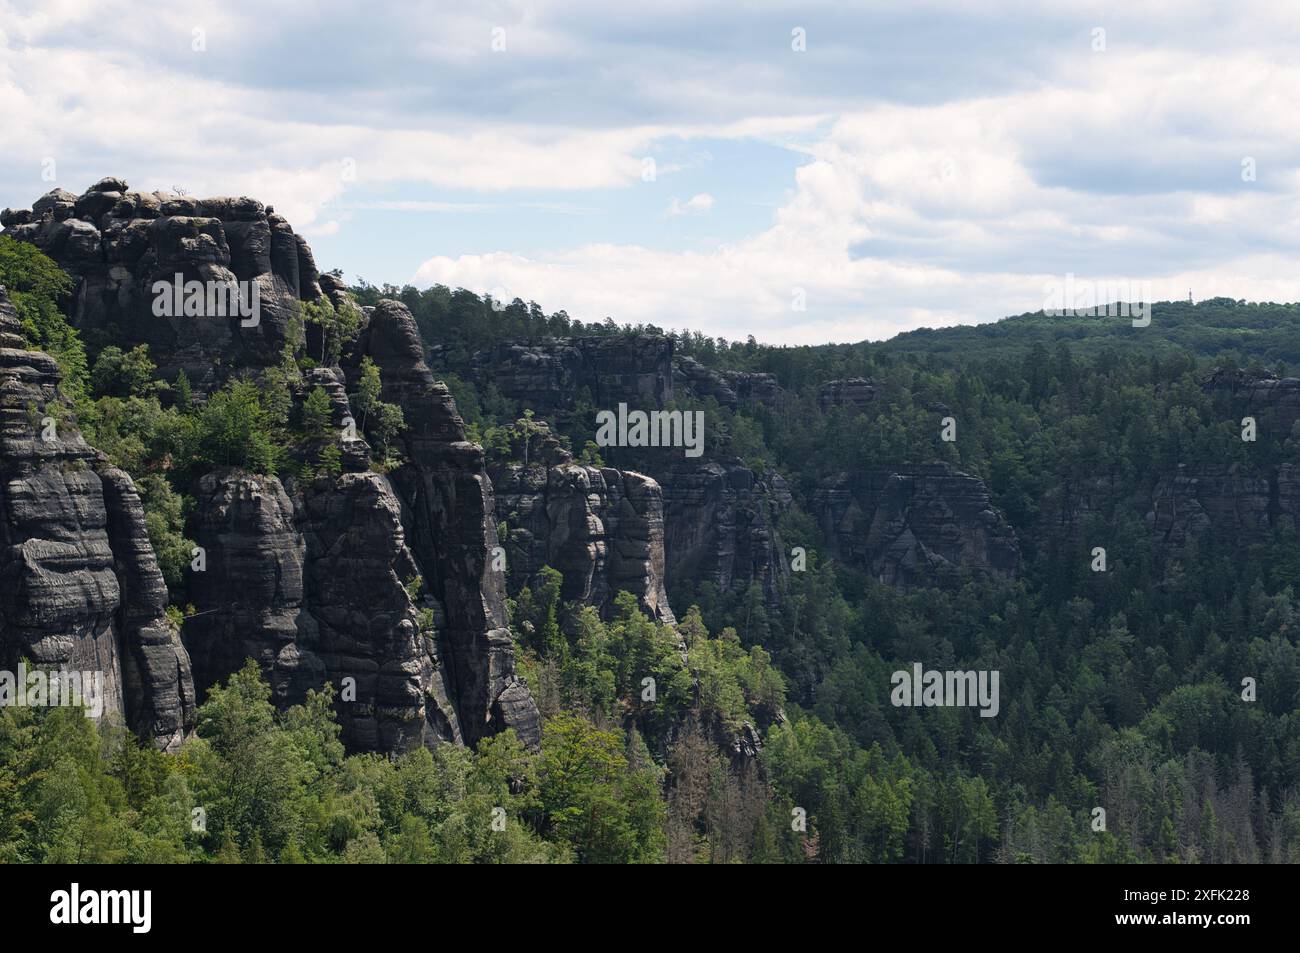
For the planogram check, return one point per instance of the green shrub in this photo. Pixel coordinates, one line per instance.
(36, 285)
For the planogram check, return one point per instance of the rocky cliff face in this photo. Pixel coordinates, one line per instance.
(601, 528)
(755, 389)
(377, 583)
(916, 525)
(385, 580)
(855, 392)
(640, 370)
(718, 514)
(1223, 504)
(448, 512)
(309, 581)
(118, 243)
(1273, 401)
(720, 525)
(80, 588)
(551, 377)
(731, 389)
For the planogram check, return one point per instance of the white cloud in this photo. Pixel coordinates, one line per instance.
(943, 188)
(922, 216)
(696, 205)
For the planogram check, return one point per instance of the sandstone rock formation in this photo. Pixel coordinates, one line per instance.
(552, 377)
(916, 525)
(310, 584)
(118, 243)
(449, 516)
(855, 392)
(1223, 504)
(720, 525)
(601, 528)
(718, 514)
(381, 580)
(731, 389)
(80, 588)
(311, 580)
(755, 388)
(1273, 401)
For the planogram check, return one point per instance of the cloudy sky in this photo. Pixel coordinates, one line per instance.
(883, 165)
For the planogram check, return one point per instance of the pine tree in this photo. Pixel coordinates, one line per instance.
(316, 413)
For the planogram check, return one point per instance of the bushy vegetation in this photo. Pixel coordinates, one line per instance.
(256, 785)
(632, 667)
(37, 287)
(336, 327)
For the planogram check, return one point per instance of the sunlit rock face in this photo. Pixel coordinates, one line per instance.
(119, 244)
(80, 588)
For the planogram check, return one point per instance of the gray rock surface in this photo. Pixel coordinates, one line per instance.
(718, 515)
(1223, 504)
(449, 515)
(601, 528)
(856, 392)
(80, 588)
(118, 243)
(916, 525)
(755, 388)
(311, 584)
(731, 389)
(552, 377)
(720, 525)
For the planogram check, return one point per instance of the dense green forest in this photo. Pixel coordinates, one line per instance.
(1121, 689)
(1127, 684)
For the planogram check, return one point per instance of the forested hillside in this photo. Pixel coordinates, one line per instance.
(1122, 689)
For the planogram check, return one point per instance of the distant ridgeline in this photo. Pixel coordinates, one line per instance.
(1215, 327)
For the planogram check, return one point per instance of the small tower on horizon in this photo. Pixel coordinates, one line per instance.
(1189, 297)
